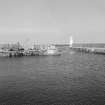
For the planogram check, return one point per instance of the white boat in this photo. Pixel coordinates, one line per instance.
(52, 50)
(42, 51)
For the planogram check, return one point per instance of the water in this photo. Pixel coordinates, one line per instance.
(69, 79)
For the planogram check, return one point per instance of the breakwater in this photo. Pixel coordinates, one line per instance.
(93, 50)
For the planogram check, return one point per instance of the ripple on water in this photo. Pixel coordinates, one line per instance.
(77, 79)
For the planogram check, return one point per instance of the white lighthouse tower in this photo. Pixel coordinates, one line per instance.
(71, 42)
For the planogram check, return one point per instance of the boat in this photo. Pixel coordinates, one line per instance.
(52, 50)
(4, 53)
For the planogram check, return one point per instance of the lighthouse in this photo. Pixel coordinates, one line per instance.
(70, 42)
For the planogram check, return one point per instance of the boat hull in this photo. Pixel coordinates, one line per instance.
(57, 54)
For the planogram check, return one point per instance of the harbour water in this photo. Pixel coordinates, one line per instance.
(70, 79)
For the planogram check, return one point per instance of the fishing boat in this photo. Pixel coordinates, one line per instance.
(4, 53)
(11, 50)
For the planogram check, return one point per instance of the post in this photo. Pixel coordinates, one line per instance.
(71, 42)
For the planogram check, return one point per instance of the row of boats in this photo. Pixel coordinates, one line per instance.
(36, 51)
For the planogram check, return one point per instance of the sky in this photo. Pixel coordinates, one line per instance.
(52, 21)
